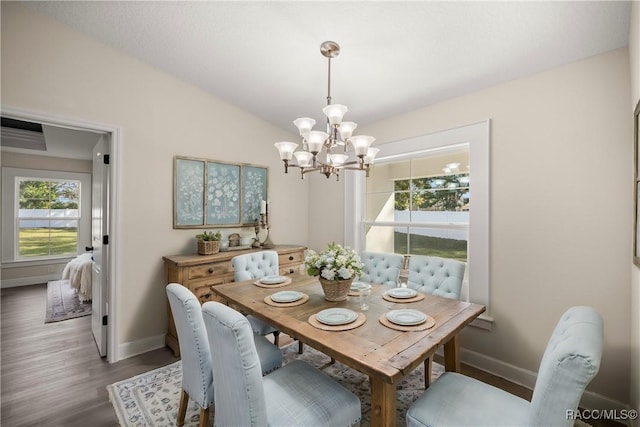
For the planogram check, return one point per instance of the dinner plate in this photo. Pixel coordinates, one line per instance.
(286, 296)
(272, 280)
(402, 292)
(406, 317)
(358, 286)
(336, 316)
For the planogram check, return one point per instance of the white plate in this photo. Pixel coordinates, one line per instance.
(358, 286)
(402, 292)
(336, 316)
(286, 296)
(406, 317)
(272, 280)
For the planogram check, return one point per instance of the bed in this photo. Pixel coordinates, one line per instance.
(78, 273)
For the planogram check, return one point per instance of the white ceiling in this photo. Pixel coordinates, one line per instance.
(396, 56)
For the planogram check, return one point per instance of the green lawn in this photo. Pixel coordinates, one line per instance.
(431, 246)
(39, 242)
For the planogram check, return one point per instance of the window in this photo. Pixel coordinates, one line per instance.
(420, 206)
(411, 205)
(48, 217)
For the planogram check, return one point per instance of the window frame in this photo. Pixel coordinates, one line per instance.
(18, 180)
(477, 136)
(10, 207)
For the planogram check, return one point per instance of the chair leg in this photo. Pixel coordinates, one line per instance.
(300, 347)
(204, 417)
(276, 338)
(427, 372)
(182, 409)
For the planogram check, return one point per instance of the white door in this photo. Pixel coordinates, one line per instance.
(99, 238)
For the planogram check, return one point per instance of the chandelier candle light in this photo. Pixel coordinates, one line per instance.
(338, 133)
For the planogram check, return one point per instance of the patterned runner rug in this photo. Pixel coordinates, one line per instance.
(63, 302)
(151, 399)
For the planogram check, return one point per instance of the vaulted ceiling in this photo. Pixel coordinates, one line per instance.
(396, 56)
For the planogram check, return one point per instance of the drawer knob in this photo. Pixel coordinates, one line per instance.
(291, 271)
(210, 269)
(290, 257)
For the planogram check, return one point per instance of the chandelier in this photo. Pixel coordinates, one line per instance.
(338, 134)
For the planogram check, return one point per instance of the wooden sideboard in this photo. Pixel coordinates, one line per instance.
(200, 272)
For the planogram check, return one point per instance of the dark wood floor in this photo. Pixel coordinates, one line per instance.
(51, 374)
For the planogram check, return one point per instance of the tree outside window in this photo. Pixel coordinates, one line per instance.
(48, 217)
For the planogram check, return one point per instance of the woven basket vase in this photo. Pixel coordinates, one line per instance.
(208, 247)
(335, 290)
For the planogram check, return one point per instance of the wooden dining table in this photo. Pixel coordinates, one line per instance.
(386, 355)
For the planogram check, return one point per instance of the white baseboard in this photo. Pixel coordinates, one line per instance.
(133, 348)
(526, 378)
(25, 281)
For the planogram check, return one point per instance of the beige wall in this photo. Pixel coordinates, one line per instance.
(70, 75)
(561, 213)
(634, 60)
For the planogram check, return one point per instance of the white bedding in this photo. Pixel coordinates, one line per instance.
(78, 273)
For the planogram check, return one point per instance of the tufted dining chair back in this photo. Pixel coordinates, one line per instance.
(569, 363)
(197, 377)
(297, 394)
(436, 276)
(255, 265)
(381, 267)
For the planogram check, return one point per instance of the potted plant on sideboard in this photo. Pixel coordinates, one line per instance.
(209, 242)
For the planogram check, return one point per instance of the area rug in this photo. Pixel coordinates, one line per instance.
(151, 399)
(63, 302)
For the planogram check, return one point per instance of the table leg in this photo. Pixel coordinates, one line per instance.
(452, 355)
(383, 403)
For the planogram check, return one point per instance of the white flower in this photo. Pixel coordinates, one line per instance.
(328, 274)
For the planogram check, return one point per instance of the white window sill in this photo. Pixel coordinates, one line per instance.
(484, 321)
(36, 262)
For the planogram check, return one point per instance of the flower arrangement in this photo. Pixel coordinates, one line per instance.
(336, 263)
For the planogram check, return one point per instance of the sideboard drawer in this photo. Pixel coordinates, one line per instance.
(204, 294)
(291, 258)
(209, 270)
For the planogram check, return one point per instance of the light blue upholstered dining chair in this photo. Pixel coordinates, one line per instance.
(252, 266)
(295, 395)
(381, 267)
(197, 376)
(437, 276)
(570, 361)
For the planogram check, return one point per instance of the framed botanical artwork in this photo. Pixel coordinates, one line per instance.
(254, 191)
(211, 193)
(188, 199)
(636, 182)
(223, 194)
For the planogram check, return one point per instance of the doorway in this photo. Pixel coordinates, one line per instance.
(106, 323)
